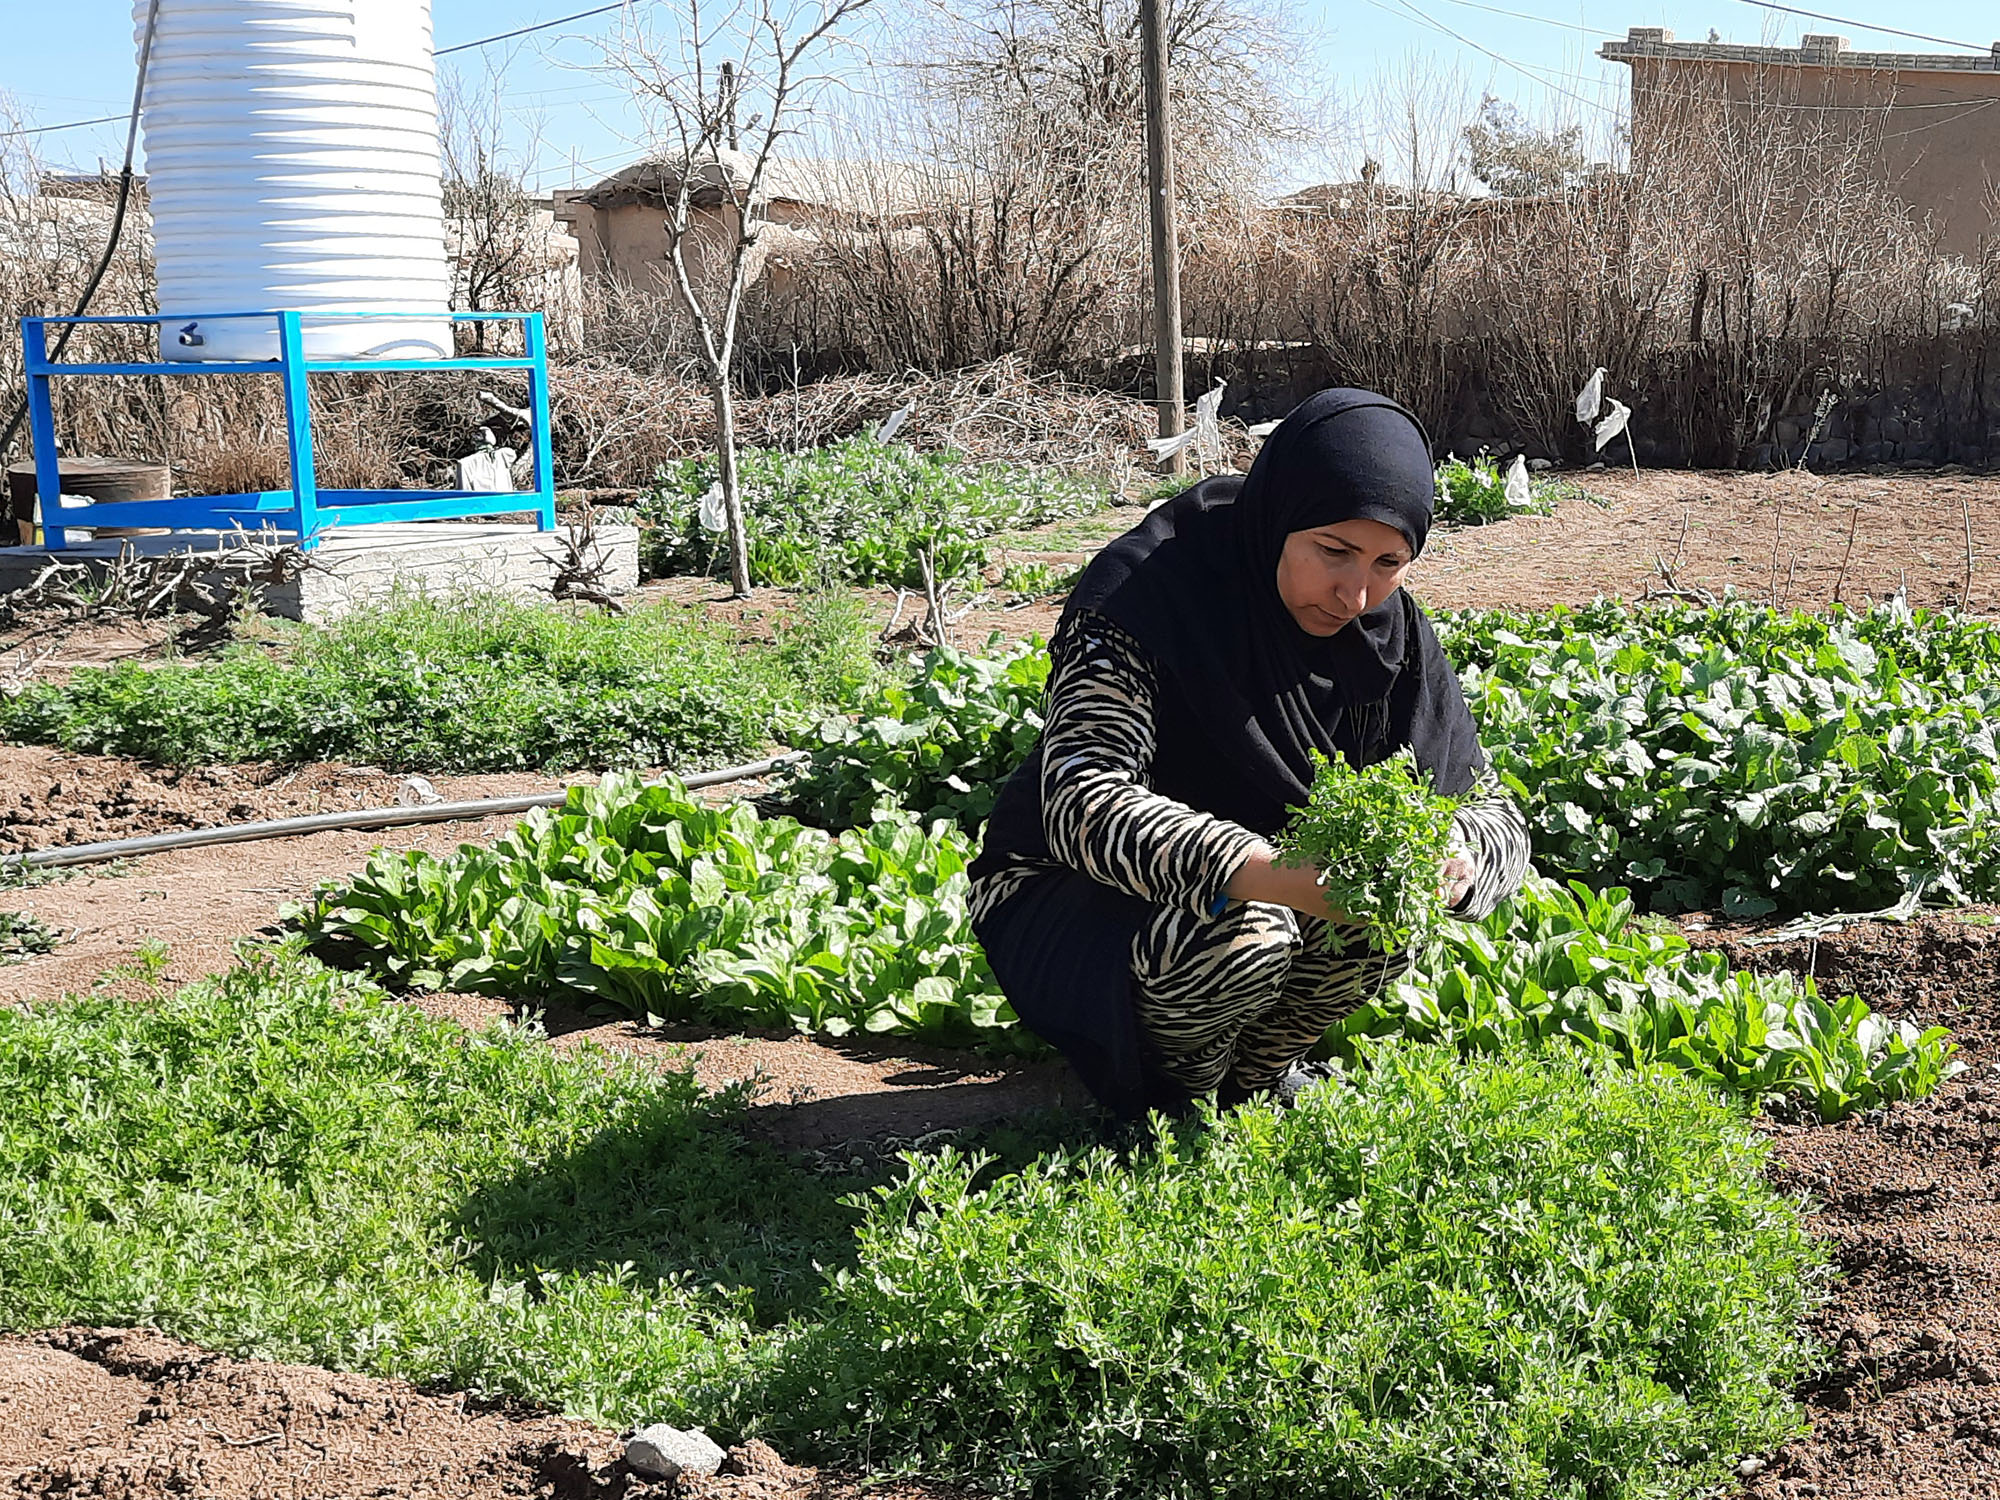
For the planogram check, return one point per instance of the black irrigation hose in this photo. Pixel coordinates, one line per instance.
(367, 817)
(117, 226)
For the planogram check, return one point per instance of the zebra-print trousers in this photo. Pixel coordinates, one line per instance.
(1239, 998)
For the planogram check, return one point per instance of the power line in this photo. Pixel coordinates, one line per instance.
(1533, 75)
(1522, 15)
(508, 36)
(485, 41)
(8, 135)
(1916, 36)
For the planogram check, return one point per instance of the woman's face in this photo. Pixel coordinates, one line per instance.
(1330, 574)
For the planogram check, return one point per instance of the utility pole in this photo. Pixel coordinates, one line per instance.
(1166, 243)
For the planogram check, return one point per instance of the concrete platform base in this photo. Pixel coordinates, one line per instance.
(363, 565)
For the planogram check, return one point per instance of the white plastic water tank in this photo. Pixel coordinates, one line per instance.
(292, 164)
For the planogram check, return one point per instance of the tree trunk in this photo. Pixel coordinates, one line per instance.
(732, 491)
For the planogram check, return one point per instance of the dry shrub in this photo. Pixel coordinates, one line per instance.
(613, 428)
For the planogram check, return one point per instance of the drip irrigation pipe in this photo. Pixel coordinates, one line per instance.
(366, 817)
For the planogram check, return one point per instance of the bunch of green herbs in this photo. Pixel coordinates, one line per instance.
(1379, 838)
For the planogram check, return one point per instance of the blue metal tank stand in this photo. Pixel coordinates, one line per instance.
(305, 508)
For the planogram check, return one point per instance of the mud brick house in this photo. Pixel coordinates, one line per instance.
(1933, 120)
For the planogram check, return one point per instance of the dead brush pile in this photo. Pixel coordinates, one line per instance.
(614, 426)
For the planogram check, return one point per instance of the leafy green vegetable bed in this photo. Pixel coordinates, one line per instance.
(642, 899)
(1523, 1277)
(1732, 757)
(857, 511)
(449, 685)
(1742, 757)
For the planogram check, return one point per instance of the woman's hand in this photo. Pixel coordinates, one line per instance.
(1455, 879)
(1262, 878)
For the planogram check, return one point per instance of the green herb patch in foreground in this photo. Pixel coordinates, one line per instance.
(1523, 1278)
(284, 1162)
(1517, 1278)
(642, 899)
(440, 685)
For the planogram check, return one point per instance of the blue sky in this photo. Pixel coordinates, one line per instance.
(70, 62)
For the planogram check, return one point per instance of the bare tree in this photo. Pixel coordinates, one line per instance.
(500, 240)
(732, 85)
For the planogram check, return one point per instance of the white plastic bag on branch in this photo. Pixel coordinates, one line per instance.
(1613, 423)
(489, 471)
(893, 423)
(1204, 434)
(710, 514)
(1590, 400)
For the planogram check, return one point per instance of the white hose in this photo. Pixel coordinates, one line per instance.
(365, 817)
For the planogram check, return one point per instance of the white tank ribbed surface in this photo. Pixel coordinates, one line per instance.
(292, 164)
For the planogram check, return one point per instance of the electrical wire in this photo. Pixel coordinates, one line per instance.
(117, 222)
(8, 135)
(1522, 15)
(1915, 36)
(508, 36)
(1533, 75)
(484, 41)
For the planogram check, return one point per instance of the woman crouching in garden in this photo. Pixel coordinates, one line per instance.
(1128, 895)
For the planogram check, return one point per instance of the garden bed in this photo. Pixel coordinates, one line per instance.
(1905, 1193)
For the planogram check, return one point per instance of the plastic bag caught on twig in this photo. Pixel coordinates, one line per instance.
(1590, 400)
(1614, 422)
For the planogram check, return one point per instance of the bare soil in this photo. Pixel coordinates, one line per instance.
(1782, 536)
(133, 1415)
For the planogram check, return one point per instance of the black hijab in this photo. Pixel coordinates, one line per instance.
(1243, 697)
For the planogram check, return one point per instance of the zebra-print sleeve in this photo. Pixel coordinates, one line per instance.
(1097, 811)
(1495, 836)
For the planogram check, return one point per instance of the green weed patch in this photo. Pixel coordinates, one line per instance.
(1449, 1278)
(285, 1163)
(454, 685)
(1520, 1278)
(857, 511)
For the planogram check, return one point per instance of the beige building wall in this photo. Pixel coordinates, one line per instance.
(1938, 115)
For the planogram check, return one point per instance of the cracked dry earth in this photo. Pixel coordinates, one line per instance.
(131, 1415)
